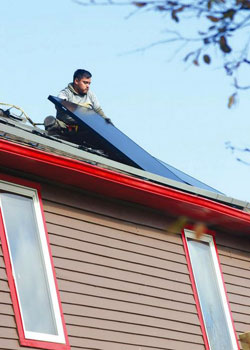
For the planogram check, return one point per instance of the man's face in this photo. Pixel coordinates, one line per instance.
(82, 85)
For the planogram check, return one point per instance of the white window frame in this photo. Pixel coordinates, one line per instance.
(32, 193)
(208, 238)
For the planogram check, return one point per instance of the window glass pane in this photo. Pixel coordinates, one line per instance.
(209, 295)
(28, 263)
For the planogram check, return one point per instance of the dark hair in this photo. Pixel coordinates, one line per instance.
(81, 73)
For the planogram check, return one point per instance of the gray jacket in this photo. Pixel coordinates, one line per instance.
(88, 100)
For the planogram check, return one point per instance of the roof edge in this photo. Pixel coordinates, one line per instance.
(121, 186)
(72, 151)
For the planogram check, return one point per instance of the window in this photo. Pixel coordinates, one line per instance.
(29, 268)
(210, 293)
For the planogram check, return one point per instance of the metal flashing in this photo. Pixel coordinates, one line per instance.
(238, 202)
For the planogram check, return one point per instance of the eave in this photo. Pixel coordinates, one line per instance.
(112, 184)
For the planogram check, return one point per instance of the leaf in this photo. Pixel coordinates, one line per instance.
(180, 9)
(178, 225)
(229, 14)
(195, 62)
(212, 27)
(214, 19)
(222, 29)
(246, 4)
(199, 229)
(174, 12)
(172, 3)
(223, 45)
(161, 8)
(207, 59)
(139, 4)
(174, 17)
(232, 100)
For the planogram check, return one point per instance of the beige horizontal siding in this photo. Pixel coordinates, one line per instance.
(235, 244)
(5, 298)
(123, 280)
(113, 320)
(3, 275)
(125, 258)
(136, 339)
(7, 321)
(93, 342)
(113, 228)
(234, 255)
(126, 287)
(123, 277)
(127, 214)
(6, 309)
(91, 233)
(125, 307)
(12, 344)
(240, 309)
(169, 282)
(119, 294)
(234, 261)
(132, 330)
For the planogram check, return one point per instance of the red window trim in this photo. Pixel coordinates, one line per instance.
(24, 341)
(196, 297)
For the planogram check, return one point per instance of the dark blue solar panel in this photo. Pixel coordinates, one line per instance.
(189, 179)
(119, 146)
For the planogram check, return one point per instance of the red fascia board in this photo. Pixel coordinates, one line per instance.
(116, 185)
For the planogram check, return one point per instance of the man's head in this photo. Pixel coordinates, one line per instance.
(82, 81)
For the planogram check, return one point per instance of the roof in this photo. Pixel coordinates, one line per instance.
(29, 152)
(15, 130)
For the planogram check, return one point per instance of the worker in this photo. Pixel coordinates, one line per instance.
(78, 92)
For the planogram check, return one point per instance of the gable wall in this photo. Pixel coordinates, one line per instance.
(234, 253)
(123, 278)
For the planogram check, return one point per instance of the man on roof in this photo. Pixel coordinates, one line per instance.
(78, 92)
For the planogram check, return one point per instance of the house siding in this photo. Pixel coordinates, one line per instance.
(123, 278)
(235, 264)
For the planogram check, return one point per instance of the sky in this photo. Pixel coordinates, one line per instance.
(175, 111)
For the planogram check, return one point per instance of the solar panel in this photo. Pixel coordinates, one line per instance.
(189, 179)
(99, 133)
